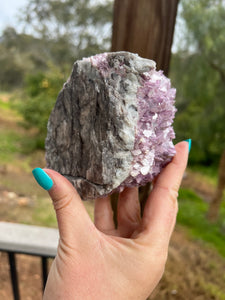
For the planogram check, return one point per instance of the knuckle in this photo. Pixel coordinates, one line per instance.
(62, 201)
(133, 219)
(173, 194)
(129, 216)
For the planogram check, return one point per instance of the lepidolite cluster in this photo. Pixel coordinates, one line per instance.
(124, 110)
(153, 147)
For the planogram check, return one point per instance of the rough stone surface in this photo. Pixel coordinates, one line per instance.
(111, 124)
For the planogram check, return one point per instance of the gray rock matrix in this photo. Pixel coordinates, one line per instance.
(92, 128)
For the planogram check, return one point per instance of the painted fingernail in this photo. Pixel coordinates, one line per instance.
(189, 143)
(42, 178)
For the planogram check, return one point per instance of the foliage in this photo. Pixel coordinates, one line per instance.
(42, 90)
(58, 18)
(198, 72)
(192, 211)
(200, 107)
(62, 32)
(74, 28)
(56, 32)
(10, 144)
(20, 54)
(14, 140)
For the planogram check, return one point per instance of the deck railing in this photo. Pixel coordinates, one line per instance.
(30, 240)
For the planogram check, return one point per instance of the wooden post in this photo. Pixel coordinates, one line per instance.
(145, 27)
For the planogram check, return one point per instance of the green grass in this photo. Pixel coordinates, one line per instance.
(15, 148)
(4, 105)
(207, 173)
(15, 141)
(9, 145)
(10, 138)
(192, 214)
(212, 289)
(7, 107)
(43, 213)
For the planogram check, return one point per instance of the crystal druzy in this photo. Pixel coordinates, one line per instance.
(111, 126)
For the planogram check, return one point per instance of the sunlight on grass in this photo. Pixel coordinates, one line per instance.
(212, 289)
(12, 150)
(4, 104)
(206, 173)
(43, 213)
(17, 145)
(8, 113)
(192, 214)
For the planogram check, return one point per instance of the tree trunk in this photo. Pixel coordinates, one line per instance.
(214, 207)
(145, 27)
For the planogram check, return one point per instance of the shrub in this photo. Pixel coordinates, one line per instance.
(39, 99)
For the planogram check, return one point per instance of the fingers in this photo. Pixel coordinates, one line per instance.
(161, 207)
(71, 214)
(128, 212)
(103, 215)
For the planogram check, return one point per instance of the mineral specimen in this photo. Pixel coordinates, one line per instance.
(111, 124)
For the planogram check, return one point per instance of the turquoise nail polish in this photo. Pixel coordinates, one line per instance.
(189, 142)
(42, 178)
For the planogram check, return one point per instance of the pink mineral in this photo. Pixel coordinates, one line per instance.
(153, 147)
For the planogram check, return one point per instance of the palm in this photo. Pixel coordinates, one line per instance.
(100, 261)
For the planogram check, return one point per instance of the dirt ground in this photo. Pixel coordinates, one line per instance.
(193, 271)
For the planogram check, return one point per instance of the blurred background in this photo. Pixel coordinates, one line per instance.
(39, 42)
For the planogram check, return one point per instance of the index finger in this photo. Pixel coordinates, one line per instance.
(161, 207)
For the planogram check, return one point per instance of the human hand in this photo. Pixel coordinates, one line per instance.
(98, 261)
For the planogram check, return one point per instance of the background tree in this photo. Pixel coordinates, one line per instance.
(56, 33)
(20, 54)
(200, 75)
(74, 28)
(145, 27)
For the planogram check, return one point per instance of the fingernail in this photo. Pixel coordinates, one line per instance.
(42, 178)
(189, 143)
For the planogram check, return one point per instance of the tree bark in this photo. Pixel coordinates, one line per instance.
(145, 27)
(214, 207)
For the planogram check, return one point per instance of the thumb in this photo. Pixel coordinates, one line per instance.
(72, 217)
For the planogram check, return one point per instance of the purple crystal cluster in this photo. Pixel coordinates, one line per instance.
(153, 147)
